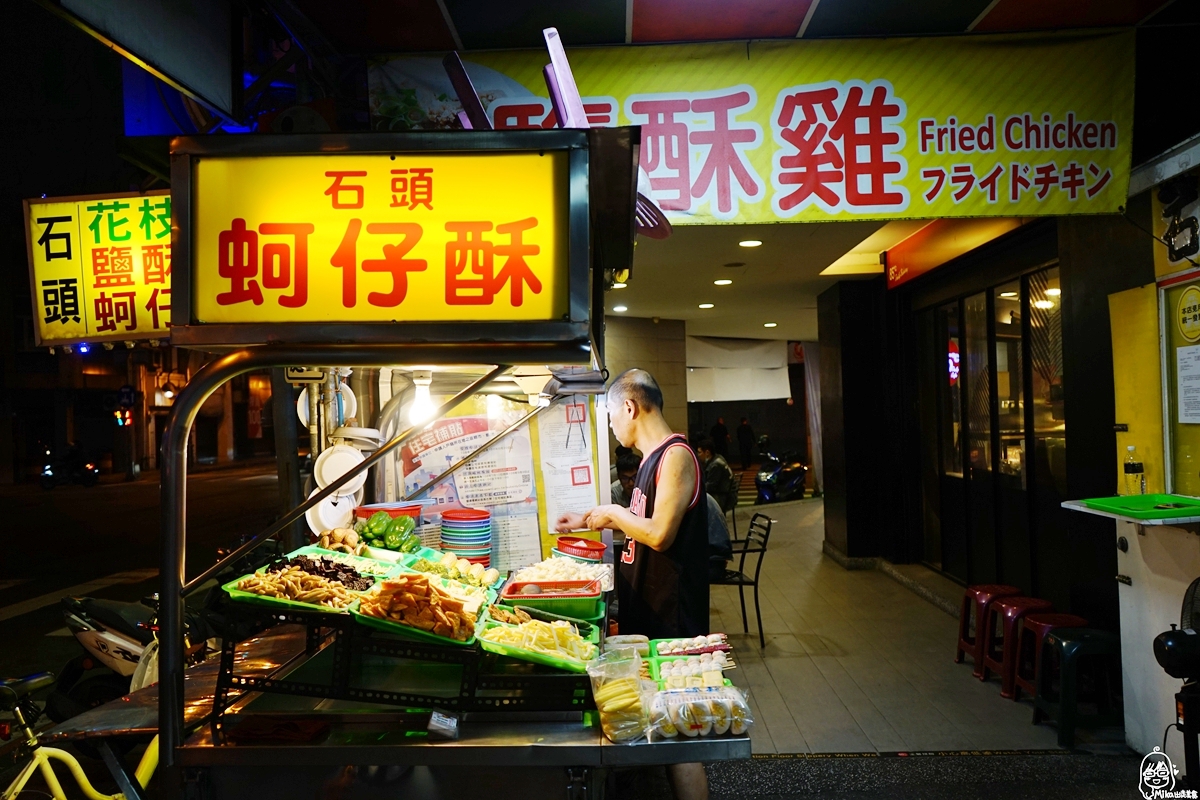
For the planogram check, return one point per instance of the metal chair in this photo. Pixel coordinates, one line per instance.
(755, 543)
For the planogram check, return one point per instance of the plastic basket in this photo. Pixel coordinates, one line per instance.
(578, 605)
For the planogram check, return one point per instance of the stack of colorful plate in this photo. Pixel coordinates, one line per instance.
(467, 532)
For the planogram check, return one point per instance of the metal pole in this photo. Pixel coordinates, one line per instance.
(287, 462)
(314, 430)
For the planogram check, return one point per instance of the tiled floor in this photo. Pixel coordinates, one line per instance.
(855, 662)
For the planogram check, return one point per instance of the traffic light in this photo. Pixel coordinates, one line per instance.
(124, 416)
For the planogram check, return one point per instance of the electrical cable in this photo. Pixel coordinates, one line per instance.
(1168, 730)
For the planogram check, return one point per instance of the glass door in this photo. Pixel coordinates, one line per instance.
(1012, 500)
(948, 344)
(980, 446)
(1046, 420)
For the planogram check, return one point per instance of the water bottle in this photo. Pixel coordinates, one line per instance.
(1135, 473)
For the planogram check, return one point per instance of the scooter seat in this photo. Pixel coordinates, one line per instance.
(122, 618)
(14, 690)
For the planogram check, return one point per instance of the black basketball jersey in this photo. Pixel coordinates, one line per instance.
(665, 595)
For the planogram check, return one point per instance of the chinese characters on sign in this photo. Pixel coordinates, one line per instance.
(380, 238)
(840, 147)
(101, 267)
(770, 131)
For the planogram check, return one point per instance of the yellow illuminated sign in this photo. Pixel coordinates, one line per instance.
(409, 237)
(100, 267)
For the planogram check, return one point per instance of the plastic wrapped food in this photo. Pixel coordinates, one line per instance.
(699, 712)
(618, 692)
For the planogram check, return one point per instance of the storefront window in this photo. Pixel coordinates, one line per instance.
(979, 414)
(1045, 345)
(951, 404)
(1010, 368)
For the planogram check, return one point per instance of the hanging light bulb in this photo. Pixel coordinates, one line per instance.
(422, 405)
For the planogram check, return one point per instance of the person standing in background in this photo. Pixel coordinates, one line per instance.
(720, 438)
(718, 475)
(745, 437)
(627, 469)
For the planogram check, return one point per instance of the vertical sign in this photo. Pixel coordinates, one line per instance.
(100, 267)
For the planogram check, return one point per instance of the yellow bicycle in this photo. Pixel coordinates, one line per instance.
(14, 696)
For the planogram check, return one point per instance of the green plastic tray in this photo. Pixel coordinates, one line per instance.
(656, 671)
(409, 632)
(558, 662)
(588, 630)
(1147, 506)
(312, 551)
(408, 559)
(276, 602)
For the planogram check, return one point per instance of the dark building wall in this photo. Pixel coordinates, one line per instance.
(1098, 256)
(853, 397)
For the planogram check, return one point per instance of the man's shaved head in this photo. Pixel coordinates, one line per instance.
(636, 385)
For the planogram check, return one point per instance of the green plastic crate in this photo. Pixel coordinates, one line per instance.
(559, 662)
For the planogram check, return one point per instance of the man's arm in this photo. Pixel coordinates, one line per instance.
(676, 486)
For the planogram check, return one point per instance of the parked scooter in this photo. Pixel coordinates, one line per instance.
(781, 476)
(71, 468)
(114, 636)
(120, 651)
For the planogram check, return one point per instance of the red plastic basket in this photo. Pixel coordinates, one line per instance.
(582, 548)
(363, 512)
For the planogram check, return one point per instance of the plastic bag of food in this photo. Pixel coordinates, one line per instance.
(618, 692)
(698, 712)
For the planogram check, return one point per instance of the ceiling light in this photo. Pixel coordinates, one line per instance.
(422, 405)
(722, 282)
(1008, 294)
(750, 243)
(1054, 292)
(1044, 304)
(619, 309)
(706, 305)
(619, 285)
(770, 324)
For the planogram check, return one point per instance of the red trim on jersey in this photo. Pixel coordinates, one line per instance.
(695, 461)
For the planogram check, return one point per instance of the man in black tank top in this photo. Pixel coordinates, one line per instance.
(662, 572)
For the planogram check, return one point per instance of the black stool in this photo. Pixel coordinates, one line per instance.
(1064, 652)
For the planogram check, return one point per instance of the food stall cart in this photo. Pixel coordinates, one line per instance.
(476, 248)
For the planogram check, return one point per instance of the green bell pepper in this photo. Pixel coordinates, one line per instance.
(392, 540)
(411, 543)
(378, 522)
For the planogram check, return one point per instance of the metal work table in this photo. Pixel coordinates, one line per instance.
(481, 744)
(136, 714)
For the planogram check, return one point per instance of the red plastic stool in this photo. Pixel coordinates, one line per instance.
(1000, 637)
(1034, 629)
(980, 598)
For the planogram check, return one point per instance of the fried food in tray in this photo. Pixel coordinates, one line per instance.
(502, 614)
(293, 583)
(415, 601)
